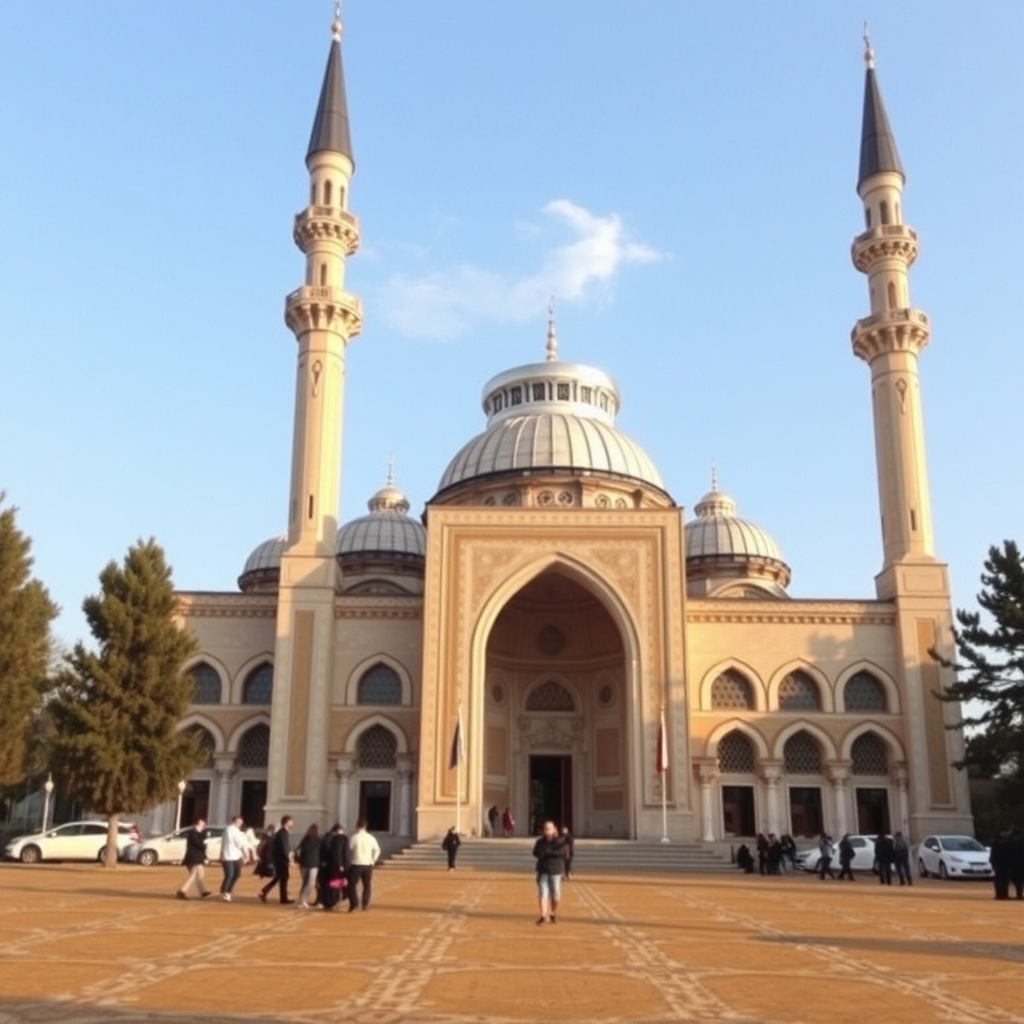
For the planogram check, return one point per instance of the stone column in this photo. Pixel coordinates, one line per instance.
(899, 776)
(772, 772)
(222, 810)
(345, 769)
(839, 774)
(708, 772)
(406, 771)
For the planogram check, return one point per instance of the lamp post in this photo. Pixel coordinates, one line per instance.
(48, 790)
(177, 816)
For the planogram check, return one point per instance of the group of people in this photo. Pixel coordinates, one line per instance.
(892, 855)
(499, 821)
(331, 866)
(776, 855)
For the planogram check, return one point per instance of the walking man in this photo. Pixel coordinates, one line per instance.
(450, 844)
(364, 852)
(845, 858)
(825, 857)
(280, 858)
(901, 853)
(570, 850)
(235, 850)
(549, 852)
(884, 856)
(195, 860)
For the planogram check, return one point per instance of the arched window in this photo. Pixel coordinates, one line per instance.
(863, 692)
(328, 192)
(799, 692)
(802, 755)
(380, 685)
(259, 685)
(884, 210)
(206, 688)
(206, 743)
(378, 748)
(890, 291)
(735, 753)
(550, 696)
(869, 755)
(254, 750)
(323, 274)
(731, 690)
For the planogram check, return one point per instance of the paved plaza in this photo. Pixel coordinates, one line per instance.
(78, 943)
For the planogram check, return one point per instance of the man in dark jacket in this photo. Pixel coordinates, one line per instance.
(195, 860)
(280, 857)
(450, 844)
(1000, 857)
(549, 852)
(334, 863)
(1017, 862)
(885, 855)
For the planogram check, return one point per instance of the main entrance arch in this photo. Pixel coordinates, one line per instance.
(556, 737)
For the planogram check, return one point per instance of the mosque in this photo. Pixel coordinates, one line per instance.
(554, 634)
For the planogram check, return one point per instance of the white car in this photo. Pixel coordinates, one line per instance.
(953, 857)
(863, 855)
(77, 840)
(170, 849)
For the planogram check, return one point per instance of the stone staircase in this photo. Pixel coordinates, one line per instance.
(593, 856)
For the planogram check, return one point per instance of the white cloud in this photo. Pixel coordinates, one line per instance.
(451, 301)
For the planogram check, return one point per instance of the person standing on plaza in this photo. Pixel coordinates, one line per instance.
(493, 820)
(885, 854)
(825, 857)
(280, 860)
(901, 858)
(334, 864)
(549, 853)
(195, 860)
(450, 844)
(364, 852)
(845, 858)
(999, 857)
(570, 850)
(307, 856)
(508, 824)
(235, 850)
(1017, 862)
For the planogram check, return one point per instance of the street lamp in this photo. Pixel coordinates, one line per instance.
(48, 790)
(181, 793)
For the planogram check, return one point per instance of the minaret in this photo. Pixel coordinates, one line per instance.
(323, 317)
(889, 341)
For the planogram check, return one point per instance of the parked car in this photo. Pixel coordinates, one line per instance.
(953, 857)
(863, 855)
(170, 849)
(77, 840)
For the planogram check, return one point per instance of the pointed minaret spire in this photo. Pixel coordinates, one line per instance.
(878, 151)
(330, 126)
(551, 348)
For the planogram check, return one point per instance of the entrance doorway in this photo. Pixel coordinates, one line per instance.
(738, 810)
(805, 811)
(254, 799)
(375, 804)
(550, 791)
(195, 802)
(872, 811)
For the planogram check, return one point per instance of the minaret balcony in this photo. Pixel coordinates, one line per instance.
(312, 308)
(885, 242)
(326, 223)
(894, 330)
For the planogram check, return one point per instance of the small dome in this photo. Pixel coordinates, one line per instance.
(551, 417)
(720, 545)
(386, 533)
(262, 570)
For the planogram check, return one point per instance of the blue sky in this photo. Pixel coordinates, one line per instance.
(680, 175)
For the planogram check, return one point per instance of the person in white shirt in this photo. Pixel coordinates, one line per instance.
(364, 852)
(235, 850)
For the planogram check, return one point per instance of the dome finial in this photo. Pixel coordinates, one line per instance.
(552, 346)
(869, 54)
(391, 471)
(714, 476)
(336, 24)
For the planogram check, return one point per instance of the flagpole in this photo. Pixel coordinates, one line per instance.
(458, 774)
(663, 767)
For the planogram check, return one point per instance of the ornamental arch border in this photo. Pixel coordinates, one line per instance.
(887, 736)
(812, 672)
(204, 722)
(888, 684)
(351, 745)
(364, 666)
(244, 670)
(263, 718)
(828, 746)
(220, 668)
(757, 686)
(761, 748)
(538, 680)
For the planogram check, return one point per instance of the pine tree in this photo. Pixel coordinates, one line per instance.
(990, 666)
(26, 612)
(118, 747)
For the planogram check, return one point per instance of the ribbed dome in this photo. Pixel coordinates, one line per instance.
(554, 441)
(263, 567)
(386, 532)
(719, 543)
(551, 416)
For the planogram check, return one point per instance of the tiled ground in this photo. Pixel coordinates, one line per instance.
(78, 943)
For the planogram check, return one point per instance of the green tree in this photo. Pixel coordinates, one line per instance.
(26, 612)
(116, 710)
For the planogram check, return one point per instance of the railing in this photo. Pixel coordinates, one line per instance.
(892, 316)
(886, 231)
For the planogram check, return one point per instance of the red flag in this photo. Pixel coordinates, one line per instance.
(661, 758)
(457, 752)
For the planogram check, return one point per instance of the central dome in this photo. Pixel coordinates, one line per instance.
(551, 417)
